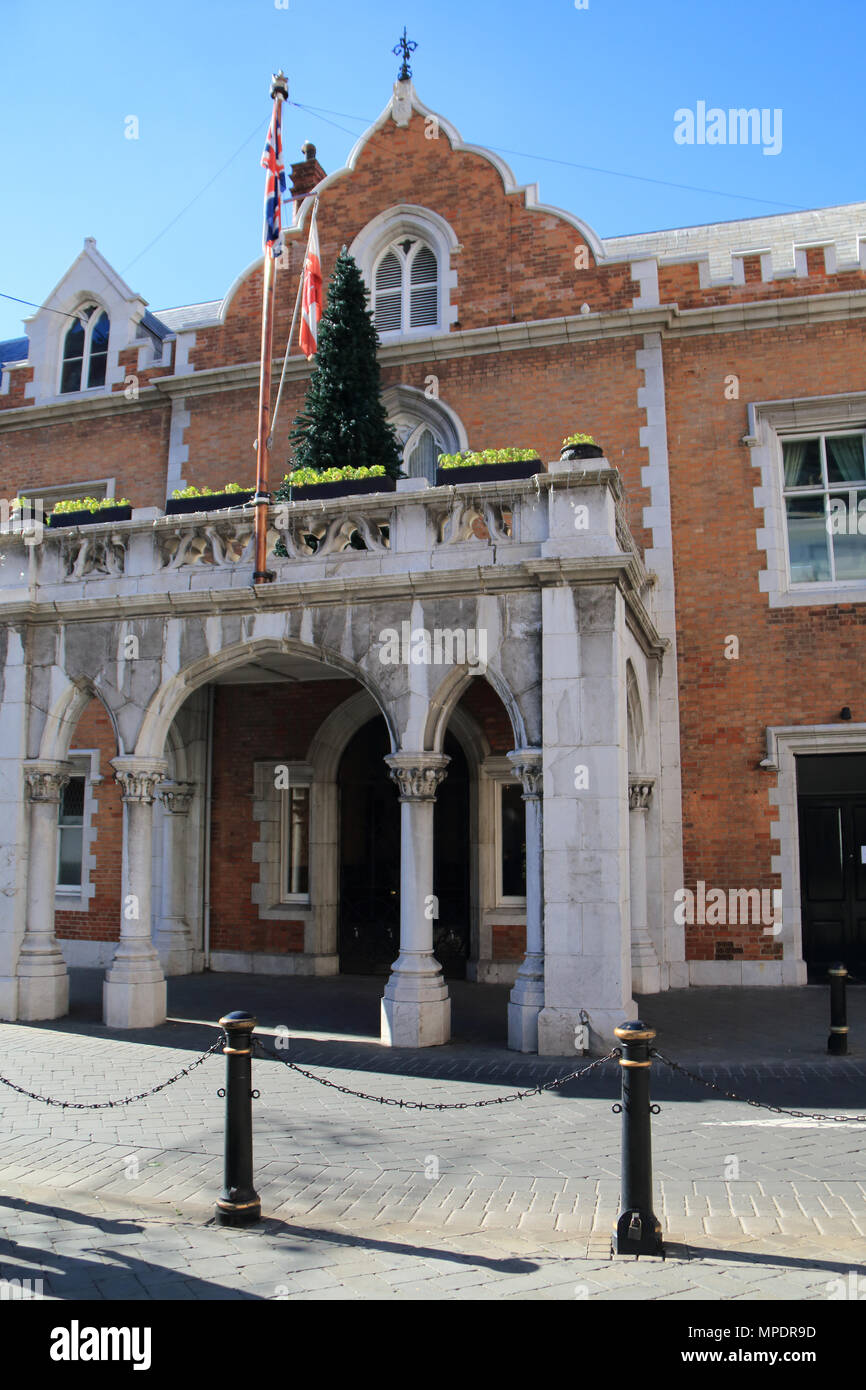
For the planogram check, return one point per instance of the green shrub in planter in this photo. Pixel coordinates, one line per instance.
(311, 477)
(580, 446)
(88, 504)
(184, 492)
(472, 458)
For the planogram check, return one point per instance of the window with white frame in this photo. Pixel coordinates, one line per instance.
(85, 351)
(824, 487)
(510, 843)
(406, 287)
(70, 836)
(295, 844)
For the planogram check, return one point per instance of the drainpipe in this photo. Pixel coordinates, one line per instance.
(208, 801)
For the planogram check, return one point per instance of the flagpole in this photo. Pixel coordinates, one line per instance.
(261, 501)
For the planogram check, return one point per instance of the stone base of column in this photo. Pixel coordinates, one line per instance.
(174, 948)
(134, 992)
(416, 1006)
(556, 1029)
(9, 998)
(523, 1027)
(646, 979)
(43, 986)
(525, 1004)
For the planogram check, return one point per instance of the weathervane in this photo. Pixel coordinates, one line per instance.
(405, 47)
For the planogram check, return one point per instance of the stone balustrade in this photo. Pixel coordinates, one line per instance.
(569, 512)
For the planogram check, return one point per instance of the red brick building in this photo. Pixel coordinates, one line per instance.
(720, 368)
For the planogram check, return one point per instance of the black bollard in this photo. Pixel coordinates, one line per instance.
(837, 1043)
(240, 1204)
(638, 1231)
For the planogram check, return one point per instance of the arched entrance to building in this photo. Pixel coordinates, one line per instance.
(369, 914)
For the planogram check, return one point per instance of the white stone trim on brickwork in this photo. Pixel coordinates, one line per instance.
(769, 422)
(411, 219)
(90, 279)
(85, 762)
(178, 450)
(268, 849)
(403, 103)
(659, 558)
(777, 239)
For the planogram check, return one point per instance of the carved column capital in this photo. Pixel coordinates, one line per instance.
(527, 764)
(139, 778)
(45, 780)
(640, 791)
(417, 774)
(177, 797)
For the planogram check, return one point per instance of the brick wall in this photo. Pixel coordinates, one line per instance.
(796, 665)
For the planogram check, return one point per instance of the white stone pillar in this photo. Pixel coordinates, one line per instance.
(527, 996)
(134, 993)
(43, 980)
(173, 937)
(416, 1007)
(645, 972)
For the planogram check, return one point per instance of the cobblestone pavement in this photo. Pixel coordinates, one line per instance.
(365, 1201)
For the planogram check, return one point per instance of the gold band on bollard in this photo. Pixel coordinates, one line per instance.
(835, 1028)
(630, 1035)
(624, 1062)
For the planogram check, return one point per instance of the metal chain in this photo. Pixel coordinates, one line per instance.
(433, 1105)
(759, 1104)
(126, 1100)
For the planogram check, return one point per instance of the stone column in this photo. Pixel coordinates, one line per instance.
(645, 972)
(527, 997)
(134, 993)
(43, 981)
(173, 936)
(416, 1008)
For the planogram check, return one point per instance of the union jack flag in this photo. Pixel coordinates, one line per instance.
(275, 184)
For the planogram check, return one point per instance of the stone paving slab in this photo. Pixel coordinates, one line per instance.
(512, 1200)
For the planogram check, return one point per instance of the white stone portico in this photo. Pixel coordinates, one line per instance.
(146, 614)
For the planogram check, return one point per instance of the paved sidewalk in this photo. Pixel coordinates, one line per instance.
(361, 1200)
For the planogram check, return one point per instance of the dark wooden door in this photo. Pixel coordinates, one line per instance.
(833, 880)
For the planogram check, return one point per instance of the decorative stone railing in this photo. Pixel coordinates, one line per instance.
(567, 512)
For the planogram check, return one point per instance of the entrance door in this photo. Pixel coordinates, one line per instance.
(832, 816)
(369, 855)
(370, 859)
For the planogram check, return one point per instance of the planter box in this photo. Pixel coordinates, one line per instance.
(87, 518)
(489, 472)
(581, 451)
(347, 487)
(213, 502)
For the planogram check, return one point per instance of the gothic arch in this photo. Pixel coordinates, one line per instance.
(62, 719)
(173, 692)
(444, 700)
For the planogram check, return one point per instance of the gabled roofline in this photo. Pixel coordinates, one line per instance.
(403, 102)
(91, 253)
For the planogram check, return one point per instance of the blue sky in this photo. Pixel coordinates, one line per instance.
(596, 86)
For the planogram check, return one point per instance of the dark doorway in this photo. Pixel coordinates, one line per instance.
(370, 859)
(831, 797)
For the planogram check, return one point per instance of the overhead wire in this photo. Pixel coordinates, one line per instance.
(586, 168)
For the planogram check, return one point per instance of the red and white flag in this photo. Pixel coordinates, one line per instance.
(311, 296)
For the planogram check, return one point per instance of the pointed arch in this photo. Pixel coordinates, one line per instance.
(173, 693)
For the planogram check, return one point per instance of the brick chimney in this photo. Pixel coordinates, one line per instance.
(305, 175)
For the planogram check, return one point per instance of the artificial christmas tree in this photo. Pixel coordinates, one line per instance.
(344, 421)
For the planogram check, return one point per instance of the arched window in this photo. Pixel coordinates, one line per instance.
(425, 428)
(85, 350)
(406, 287)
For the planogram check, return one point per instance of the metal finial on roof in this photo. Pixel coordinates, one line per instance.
(405, 47)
